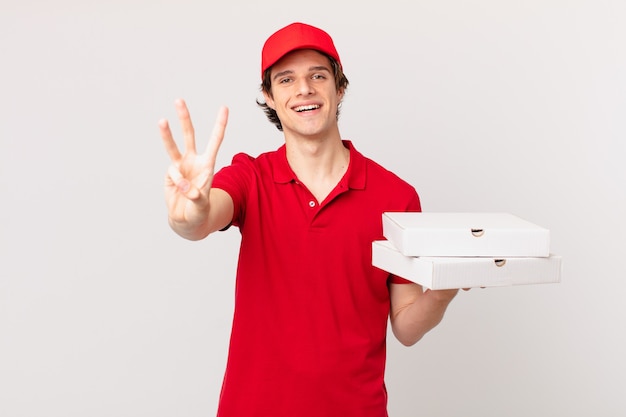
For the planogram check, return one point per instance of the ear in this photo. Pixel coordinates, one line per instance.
(269, 100)
(340, 93)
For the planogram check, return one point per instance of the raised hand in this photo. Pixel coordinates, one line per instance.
(190, 174)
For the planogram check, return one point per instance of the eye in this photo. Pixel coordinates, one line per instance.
(318, 77)
(284, 80)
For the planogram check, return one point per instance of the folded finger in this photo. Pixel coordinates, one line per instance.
(175, 175)
(183, 185)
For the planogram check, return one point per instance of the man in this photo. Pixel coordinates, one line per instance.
(311, 312)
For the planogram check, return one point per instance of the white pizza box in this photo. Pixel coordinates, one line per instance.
(466, 272)
(465, 234)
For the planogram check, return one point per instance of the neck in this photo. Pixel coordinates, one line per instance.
(318, 164)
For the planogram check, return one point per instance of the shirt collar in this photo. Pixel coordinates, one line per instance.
(355, 176)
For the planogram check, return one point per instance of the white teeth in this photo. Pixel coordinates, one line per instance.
(309, 107)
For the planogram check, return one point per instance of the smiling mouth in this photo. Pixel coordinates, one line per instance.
(310, 107)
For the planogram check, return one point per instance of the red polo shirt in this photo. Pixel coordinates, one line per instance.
(311, 312)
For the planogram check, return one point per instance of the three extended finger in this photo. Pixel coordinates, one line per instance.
(168, 141)
(187, 126)
(217, 135)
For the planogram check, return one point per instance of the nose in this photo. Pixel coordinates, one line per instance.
(304, 87)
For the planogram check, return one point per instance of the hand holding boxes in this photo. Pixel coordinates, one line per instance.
(464, 250)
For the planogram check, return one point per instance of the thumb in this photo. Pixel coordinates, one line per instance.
(183, 185)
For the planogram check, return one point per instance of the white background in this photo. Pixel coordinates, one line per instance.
(515, 106)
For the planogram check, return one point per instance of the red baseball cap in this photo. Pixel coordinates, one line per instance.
(296, 36)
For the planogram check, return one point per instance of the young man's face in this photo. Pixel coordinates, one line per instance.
(304, 94)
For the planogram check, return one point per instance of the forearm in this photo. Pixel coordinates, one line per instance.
(411, 321)
(189, 230)
(198, 222)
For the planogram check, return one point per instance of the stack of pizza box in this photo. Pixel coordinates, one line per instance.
(465, 250)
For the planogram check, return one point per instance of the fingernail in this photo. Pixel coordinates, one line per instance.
(183, 186)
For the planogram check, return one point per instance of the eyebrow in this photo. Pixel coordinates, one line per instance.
(311, 69)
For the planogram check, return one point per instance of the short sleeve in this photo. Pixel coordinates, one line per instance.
(236, 180)
(393, 279)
